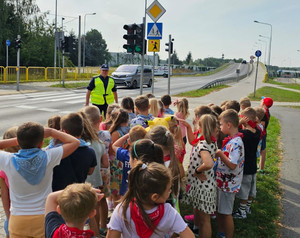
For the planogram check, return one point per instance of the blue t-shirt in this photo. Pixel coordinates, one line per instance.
(169, 111)
(123, 156)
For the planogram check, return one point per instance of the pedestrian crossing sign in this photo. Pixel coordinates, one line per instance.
(153, 45)
(154, 31)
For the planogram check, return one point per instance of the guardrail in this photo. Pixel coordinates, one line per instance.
(31, 74)
(222, 81)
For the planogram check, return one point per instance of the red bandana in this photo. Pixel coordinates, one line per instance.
(167, 158)
(228, 138)
(197, 134)
(142, 229)
(250, 123)
(64, 232)
(213, 139)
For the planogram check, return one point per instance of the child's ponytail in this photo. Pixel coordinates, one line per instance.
(144, 180)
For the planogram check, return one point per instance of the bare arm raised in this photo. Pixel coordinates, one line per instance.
(70, 143)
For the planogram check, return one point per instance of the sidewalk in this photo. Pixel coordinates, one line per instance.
(235, 92)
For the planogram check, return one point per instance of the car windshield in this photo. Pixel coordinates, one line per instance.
(126, 68)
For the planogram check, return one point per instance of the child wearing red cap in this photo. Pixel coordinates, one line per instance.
(266, 103)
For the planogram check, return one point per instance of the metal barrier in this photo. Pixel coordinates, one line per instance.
(36, 74)
(27, 74)
(222, 81)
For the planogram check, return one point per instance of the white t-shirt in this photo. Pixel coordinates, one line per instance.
(170, 223)
(27, 199)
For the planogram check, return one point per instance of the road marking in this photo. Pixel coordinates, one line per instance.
(47, 109)
(25, 107)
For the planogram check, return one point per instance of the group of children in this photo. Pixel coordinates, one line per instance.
(92, 165)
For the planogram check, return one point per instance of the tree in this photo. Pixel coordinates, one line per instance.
(96, 49)
(175, 59)
(189, 59)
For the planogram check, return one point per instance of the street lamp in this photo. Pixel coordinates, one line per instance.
(94, 13)
(269, 59)
(265, 47)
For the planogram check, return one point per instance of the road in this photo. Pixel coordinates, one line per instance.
(38, 107)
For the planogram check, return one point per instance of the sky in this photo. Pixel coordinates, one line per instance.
(206, 28)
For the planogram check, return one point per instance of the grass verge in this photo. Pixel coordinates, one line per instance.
(293, 85)
(276, 94)
(200, 92)
(264, 220)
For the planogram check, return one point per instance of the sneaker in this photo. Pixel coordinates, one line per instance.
(239, 215)
(102, 232)
(221, 235)
(248, 210)
(262, 172)
(189, 218)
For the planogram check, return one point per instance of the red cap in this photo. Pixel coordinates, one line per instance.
(268, 102)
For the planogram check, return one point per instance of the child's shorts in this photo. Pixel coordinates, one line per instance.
(225, 201)
(27, 226)
(105, 173)
(248, 187)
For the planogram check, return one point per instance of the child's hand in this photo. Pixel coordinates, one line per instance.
(202, 177)
(244, 120)
(183, 122)
(99, 194)
(219, 153)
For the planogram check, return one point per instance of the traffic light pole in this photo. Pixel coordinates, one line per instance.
(152, 86)
(169, 62)
(142, 61)
(63, 66)
(18, 66)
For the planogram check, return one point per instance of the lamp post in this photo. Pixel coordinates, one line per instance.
(265, 48)
(94, 13)
(268, 24)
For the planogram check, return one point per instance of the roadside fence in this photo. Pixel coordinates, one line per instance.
(33, 74)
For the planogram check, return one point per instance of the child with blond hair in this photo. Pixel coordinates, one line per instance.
(182, 113)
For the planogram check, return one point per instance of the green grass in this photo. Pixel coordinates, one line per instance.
(285, 85)
(276, 94)
(264, 220)
(200, 92)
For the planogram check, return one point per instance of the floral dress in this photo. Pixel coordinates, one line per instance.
(201, 195)
(116, 166)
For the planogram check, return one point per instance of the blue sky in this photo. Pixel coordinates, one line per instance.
(204, 27)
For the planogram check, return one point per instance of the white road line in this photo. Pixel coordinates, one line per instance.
(47, 109)
(25, 107)
(65, 98)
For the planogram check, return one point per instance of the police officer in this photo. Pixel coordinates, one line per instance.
(102, 90)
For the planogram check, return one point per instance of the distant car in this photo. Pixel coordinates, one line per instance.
(129, 75)
(244, 62)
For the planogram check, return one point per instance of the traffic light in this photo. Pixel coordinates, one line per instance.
(65, 44)
(139, 38)
(129, 37)
(18, 44)
(68, 44)
(170, 47)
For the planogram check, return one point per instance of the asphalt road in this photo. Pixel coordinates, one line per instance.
(20, 108)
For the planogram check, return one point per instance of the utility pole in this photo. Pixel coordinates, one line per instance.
(79, 45)
(18, 64)
(169, 64)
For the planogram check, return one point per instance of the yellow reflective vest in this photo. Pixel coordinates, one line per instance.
(98, 93)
